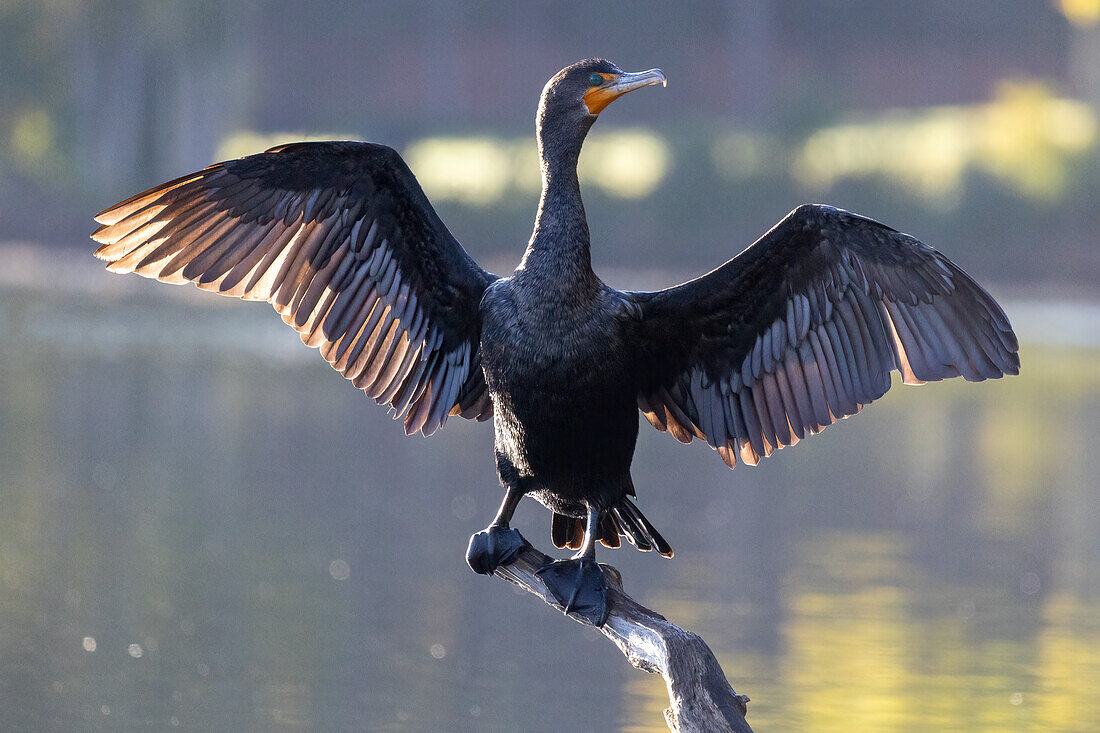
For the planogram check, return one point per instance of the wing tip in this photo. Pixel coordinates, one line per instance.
(728, 453)
(100, 234)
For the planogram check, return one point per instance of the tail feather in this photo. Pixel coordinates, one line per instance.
(561, 529)
(609, 531)
(638, 530)
(577, 539)
(623, 519)
(634, 533)
(567, 531)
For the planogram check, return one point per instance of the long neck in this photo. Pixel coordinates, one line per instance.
(559, 246)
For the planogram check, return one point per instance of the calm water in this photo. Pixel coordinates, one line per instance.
(202, 536)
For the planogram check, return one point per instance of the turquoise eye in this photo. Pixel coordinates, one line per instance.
(595, 80)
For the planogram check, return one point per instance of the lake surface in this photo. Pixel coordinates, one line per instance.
(203, 527)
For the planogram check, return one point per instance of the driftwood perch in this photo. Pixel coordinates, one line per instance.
(701, 700)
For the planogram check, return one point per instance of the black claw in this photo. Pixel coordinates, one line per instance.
(492, 547)
(579, 586)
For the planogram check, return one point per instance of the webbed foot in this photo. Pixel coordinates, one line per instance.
(579, 585)
(492, 547)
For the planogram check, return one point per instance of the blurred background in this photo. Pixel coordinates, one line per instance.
(203, 527)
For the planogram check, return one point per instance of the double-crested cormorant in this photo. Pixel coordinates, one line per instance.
(800, 329)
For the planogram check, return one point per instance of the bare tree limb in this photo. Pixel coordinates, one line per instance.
(701, 700)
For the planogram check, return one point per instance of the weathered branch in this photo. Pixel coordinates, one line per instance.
(701, 700)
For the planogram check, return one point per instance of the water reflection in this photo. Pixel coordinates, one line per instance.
(209, 538)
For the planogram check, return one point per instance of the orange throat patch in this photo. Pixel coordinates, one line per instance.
(597, 98)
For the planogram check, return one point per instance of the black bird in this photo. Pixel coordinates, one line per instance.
(800, 329)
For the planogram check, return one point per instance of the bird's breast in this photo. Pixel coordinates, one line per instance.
(544, 342)
(563, 390)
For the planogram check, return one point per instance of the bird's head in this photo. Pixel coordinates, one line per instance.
(584, 89)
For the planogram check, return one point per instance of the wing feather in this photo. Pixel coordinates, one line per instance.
(342, 242)
(804, 328)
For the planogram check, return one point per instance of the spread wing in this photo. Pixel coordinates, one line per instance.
(341, 240)
(804, 328)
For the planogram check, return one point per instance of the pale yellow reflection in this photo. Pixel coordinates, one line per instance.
(1068, 664)
(1025, 137)
(480, 171)
(741, 155)
(846, 636)
(646, 698)
(1082, 13)
(471, 170)
(32, 135)
(870, 643)
(1025, 444)
(628, 164)
(1020, 448)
